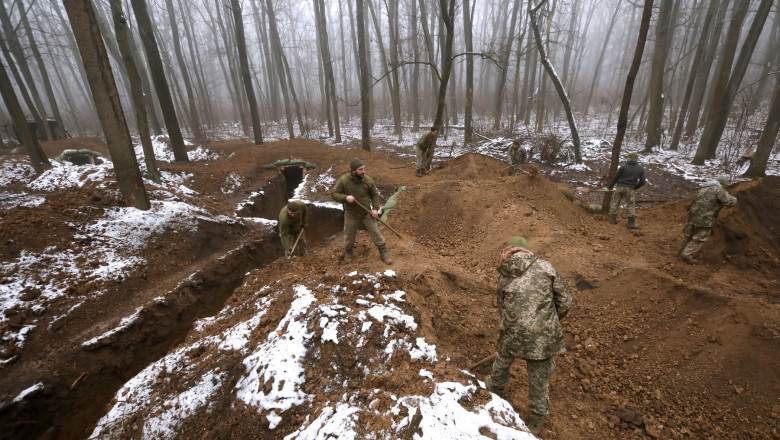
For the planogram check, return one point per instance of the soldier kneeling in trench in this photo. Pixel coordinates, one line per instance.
(532, 299)
(357, 191)
(292, 221)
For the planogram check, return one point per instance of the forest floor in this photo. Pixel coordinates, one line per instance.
(656, 348)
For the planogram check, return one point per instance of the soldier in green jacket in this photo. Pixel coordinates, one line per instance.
(516, 156)
(292, 220)
(701, 217)
(425, 147)
(532, 299)
(354, 189)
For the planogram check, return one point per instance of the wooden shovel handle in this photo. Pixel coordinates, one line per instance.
(380, 220)
(295, 244)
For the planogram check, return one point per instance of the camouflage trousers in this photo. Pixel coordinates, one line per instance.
(424, 158)
(622, 193)
(351, 226)
(539, 373)
(301, 248)
(693, 239)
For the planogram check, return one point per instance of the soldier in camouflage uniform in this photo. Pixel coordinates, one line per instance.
(515, 156)
(425, 147)
(629, 178)
(292, 220)
(351, 188)
(532, 299)
(704, 210)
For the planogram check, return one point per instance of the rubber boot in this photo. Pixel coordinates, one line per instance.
(490, 386)
(384, 255)
(347, 255)
(535, 423)
(632, 224)
(419, 172)
(613, 219)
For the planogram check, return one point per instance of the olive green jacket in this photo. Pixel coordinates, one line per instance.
(290, 227)
(426, 141)
(363, 190)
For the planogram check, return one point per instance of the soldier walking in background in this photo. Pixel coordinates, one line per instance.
(425, 148)
(515, 156)
(701, 217)
(292, 220)
(354, 189)
(629, 178)
(532, 299)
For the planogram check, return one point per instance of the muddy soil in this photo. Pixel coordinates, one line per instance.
(656, 348)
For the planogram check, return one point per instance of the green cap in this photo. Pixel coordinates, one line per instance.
(723, 180)
(633, 155)
(355, 164)
(517, 241)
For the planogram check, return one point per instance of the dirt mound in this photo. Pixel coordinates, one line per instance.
(55, 148)
(473, 166)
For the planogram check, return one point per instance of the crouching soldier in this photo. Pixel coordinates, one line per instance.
(292, 221)
(702, 215)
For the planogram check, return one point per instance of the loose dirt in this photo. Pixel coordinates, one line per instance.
(656, 348)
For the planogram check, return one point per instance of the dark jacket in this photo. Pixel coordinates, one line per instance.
(629, 175)
(363, 190)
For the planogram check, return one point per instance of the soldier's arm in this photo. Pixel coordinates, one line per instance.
(284, 232)
(726, 198)
(641, 179)
(304, 214)
(374, 195)
(614, 180)
(337, 193)
(561, 295)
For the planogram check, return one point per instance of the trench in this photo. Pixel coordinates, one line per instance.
(68, 409)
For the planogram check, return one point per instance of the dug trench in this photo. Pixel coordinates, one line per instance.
(75, 395)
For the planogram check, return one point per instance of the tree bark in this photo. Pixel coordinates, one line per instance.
(184, 71)
(724, 98)
(101, 80)
(276, 45)
(757, 166)
(160, 81)
(594, 84)
(123, 37)
(365, 108)
(327, 65)
(447, 11)
(504, 66)
(622, 123)
(242, 57)
(663, 36)
(468, 8)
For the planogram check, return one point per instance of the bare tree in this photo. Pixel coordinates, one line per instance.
(365, 105)
(38, 159)
(447, 10)
(504, 65)
(564, 97)
(322, 29)
(123, 37)
(725, 93)
(184, 72)
(249, 89)
(663, 35)
(607, 38)
(276, 47)
(468, 8)
(757, 166)
(112, 118)
(160, 81)
(622, 123)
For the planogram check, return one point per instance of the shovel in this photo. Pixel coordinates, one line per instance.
(585, 189)
(517, 169)
(383, 222)
(300, 234)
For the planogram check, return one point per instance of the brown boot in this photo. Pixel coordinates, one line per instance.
(632, 224)
(347, 255)
(384, 255)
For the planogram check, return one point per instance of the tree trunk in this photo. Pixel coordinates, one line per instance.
(724, 98)
(160, 81)
(203, 94)
(392, 13)
(330, 82)
(594, 84)
(271, 85)
(663, 36)
(344, 77)
(575, 136)
(365, 108)
(757, 166)
(644, 27)
(101, 80)
(388, 77)
(504, 66)
(447, 11)
(571, 35)
(276, 45)
(697, 60)
(38, 159)
(123, 37)
(242, 56)
(770, 63)
(468, 8)
(184, 71)
(415, 80)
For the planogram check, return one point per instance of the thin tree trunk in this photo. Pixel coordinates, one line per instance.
(160, 81)
(757, 166)
(184, 71)
(151, 105)
(575, 136)
(273, 88)
(622, 123)
(276, 44)
(392, 12)
(415, 98)
(388, 77)
(232, 81)
(101, 79)
(770, 63)
(38, 159)
(123, 36)
(344, 77)
(468, 8)
(663, 36)
(365, 108)
(570, 38)
(242, 56)
(504, 66)
(203, 91)
(722, 102)
(328, 65)
(595, 82)
(447, 12)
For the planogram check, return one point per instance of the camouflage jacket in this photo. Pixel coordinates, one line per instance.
(290, 227)
(532, 299)
(707, 203)
(426, 141)
(363, 190)
(516, 155)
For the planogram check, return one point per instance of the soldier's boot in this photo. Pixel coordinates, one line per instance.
(613, 219)
(384, 255)
(632, 224)
(535, 423)
(490, 386)
(347, 255)
(419, 172)
(425, 170)
(688, 259)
